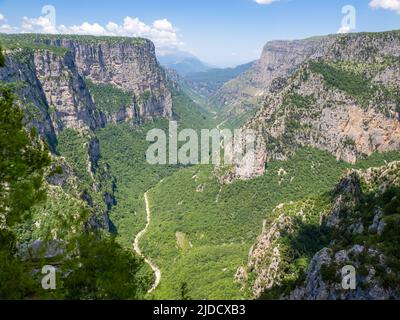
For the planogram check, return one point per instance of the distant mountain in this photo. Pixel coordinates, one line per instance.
(209, 82)
(183, 62)
(343, 96)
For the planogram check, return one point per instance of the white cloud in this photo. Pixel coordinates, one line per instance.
(41, 24)
(85, 28)
(265, 1)
(4, 27)
(161, 32)
(163, 24)
(393, 5)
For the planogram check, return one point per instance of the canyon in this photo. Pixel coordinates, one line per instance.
(323, 191)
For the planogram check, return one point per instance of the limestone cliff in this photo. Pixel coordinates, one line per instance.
(304, 245)
(278, 59)
(69, 86)
(128, 64)
(52, 73)
(344, 99)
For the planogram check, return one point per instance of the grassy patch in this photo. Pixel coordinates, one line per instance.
(354, 84)
(108, 98)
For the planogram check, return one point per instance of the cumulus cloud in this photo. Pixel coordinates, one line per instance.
(161, 32)
(163, 24)
(4, 27)
(94, 29)
(265, 1)
(41, 24)
(393, 5)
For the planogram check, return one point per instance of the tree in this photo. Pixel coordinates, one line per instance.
(22, 160)
(2, 59)
(23, 157)
(104, 270)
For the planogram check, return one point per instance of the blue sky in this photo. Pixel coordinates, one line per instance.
(220, 32)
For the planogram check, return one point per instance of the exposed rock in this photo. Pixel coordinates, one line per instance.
(40, 249)
(52, 83)
(303, 106)
(129, 65)
(282, 58)
(347, 193)
(373, 262)
(377, 225)
(278, 59)
(70, 104)
(368, 287)
(265, 257)
(94, 154)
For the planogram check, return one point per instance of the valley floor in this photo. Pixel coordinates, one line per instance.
(201, 232)
(156, 270)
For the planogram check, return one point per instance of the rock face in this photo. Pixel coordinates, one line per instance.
(66, 95)
(129, 65)
(356, 226)
(278, 59)
(52, 72)
(344, 98)
(268, 258)
(53, 78)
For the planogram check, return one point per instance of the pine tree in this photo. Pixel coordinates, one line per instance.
(22, 160)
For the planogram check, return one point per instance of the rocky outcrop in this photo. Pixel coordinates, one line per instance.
(129, 64)
(52, 78)
(319, 286)
(29, 90)
(51, 74)
(360, 223)
(51, 91)
(70, 104)
(278, 59)
(282, 58)
(345, 102)
(270, 257)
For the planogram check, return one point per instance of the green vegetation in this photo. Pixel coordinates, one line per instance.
(371, 200)
(299, 101)
(24, 44)
(105, 271)
(86, 39)
(22, 162)
(208, 82)
(48, 41)
(298, 242)
(2, 58)
(123, 148)
(201, 231)
(108, 98)
(221, 222)
(74, 145)
(353, 84)
(190, 114)
(144, 97)
(93, 265)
